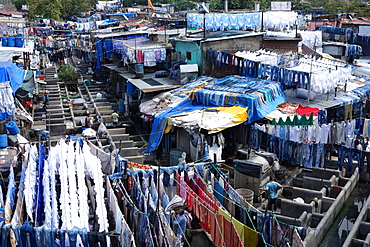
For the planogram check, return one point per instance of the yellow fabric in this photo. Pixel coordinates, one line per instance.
(250, 237)
(168, 126)
(239, 227)
(224, 213)
(247, 235)
(239, 115)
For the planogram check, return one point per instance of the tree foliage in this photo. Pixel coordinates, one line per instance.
(44, 8)
(57, 9)
(18, 4)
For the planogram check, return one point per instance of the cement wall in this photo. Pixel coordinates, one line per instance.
(231, 45)
(315, 237)
(363, 215)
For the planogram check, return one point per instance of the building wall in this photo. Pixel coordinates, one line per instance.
(182, 47)
(232, 45)
(281, 46)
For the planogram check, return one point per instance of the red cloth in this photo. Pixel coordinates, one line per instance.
(306, 110)
(140, 56)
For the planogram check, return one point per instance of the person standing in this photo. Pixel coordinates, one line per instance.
(88, 121)
(181, 227)
(272, 188)
(115, 117)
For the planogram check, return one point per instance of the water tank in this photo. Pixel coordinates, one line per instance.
(12, 127)
(3, 141)
(4, 41)
(11, 41)
(19, 41)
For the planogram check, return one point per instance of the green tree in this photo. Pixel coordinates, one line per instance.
(18, 4)
(265, 4)
(298, 5)
(73, 7)
(359, 7)
(216, 4)
(44, 8)
(57, 9)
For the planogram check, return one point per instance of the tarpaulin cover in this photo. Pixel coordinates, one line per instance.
(248, 168)
(108, 46)
(160, 122)
(10, 72)
(99, 52)
(260, 96)
(122, 14)
(106, 22)
(213, 119)
(29, 81)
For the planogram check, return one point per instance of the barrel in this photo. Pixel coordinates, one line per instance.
(247, 194)
(19, 41)
(11, 41)
(175, 154)
(4, 41)
(12, 127)
(3, 141)
(139, 70)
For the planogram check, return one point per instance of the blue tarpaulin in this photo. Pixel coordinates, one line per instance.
(243, 91)
(99, 52)
(260, 96)
(160, 122)
(10, 72)
(106, 22)
(108, 46)
(108, 16)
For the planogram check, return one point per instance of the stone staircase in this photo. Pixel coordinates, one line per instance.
(125, 145)
(117, 138)
(52, 117)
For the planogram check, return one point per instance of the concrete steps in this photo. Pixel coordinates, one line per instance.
(56, 118)
(117, 137)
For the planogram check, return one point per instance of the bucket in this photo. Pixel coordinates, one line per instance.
(19, 41)
(12, 127)
(175, 154)
(88, 82)
(247, 194)
(11, 41)
(139, 70)
(3, 141)
(4, 41)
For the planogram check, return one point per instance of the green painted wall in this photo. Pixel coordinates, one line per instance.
(196, 52)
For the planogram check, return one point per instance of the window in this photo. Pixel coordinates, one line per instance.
(188, 55)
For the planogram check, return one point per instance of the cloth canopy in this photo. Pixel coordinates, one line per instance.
(260, 97)
(213, 119)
